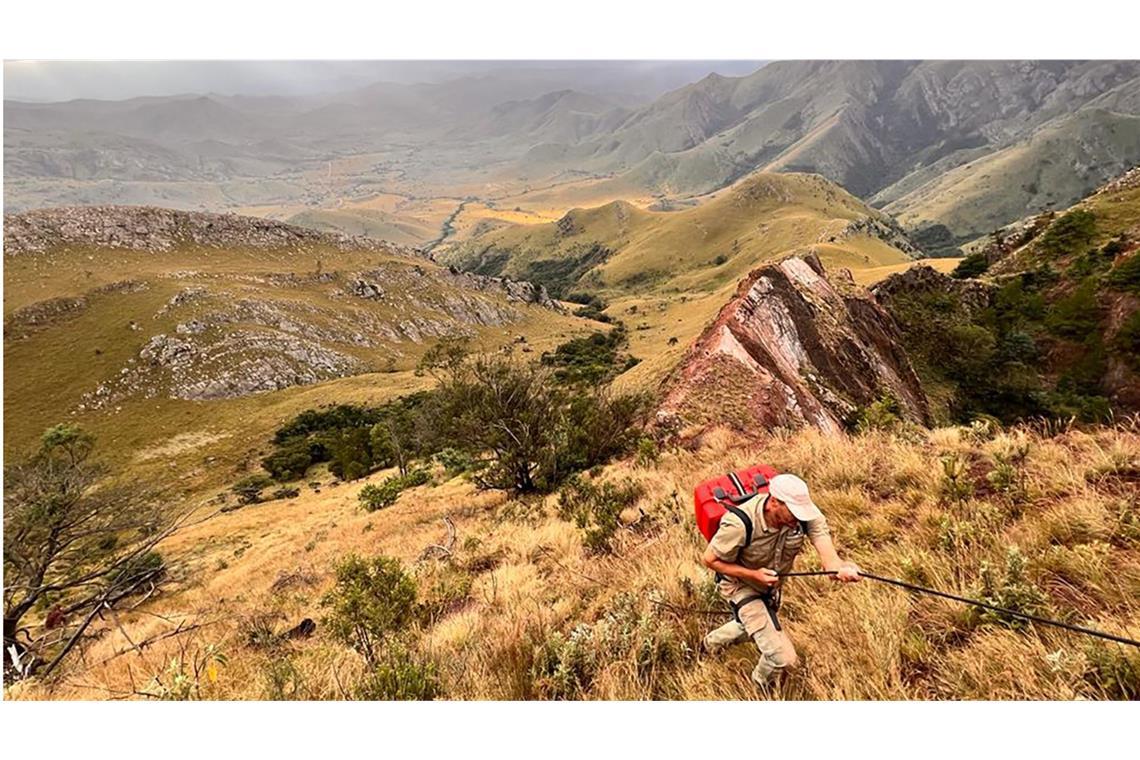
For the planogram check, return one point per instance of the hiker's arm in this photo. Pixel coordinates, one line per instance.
(761, 577)
(829, 558)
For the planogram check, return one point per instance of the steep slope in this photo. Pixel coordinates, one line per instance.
(142, 322)
(1051, 328)
(1054, 167)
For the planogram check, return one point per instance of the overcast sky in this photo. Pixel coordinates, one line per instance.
(114, 80)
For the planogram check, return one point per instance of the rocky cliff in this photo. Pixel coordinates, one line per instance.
(792, 348)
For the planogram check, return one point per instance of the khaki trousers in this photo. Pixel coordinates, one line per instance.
(776, 651)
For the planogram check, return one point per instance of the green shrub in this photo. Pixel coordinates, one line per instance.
(956, 485)
(400, 676)
(1014, 591)
(283, 681)
(590, 359)
(291, 461)
(1126, 342)
(565, 665)
(1008, 475)
(593, 312)
(1115, 247)
(1126, 274)
(720, 260)
(456, 462)
(351, 453)
(1114, 670)
(596, 509)
(1069, 233)
(647, 452)
(884, 414)
(371, 601)
(1077, 315)
(973, 265)
(373, 497)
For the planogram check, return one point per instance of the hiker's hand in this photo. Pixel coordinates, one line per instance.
(848, 572)
(764, 577)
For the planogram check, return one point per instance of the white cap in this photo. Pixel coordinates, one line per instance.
(793, 491)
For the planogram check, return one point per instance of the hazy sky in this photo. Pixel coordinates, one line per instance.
(114, 80)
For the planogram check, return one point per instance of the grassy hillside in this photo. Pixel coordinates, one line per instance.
(667, 273)
(622, 248)
(80, 320)
(518, 609)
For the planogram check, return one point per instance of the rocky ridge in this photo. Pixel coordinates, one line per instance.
(973, 295)
(149, 228)
(794, 348)
(885, 229)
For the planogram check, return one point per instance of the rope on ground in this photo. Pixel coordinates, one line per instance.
(924, 590)
(977, 603)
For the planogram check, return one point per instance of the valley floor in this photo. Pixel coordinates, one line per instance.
(520, 610)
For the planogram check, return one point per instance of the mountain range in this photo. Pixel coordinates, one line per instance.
(951, 148)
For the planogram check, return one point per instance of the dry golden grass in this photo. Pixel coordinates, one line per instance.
(634, 618)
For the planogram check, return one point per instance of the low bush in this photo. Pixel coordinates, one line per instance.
(1013, 591)
(400, 676)
(373, 497)
(972, 266)
(884, 414)
(591, 359)
(371, 601)
(1114, 670)
(1069, 233)
(1126, 275)
(955, 486)
(565, 665)
(596, 509)
(283, 680)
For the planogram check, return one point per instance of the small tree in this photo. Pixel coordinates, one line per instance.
(373, 600)
(525, 430)
(74, 545)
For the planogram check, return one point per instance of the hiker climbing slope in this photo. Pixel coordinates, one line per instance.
(757, 540)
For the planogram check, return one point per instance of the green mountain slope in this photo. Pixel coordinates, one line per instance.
(1052, 325)
(1053, 168)
(624, 249)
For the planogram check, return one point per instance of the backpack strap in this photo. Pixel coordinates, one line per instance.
(744, 518)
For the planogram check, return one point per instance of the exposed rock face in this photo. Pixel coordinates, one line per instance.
(793, 349)
(974, 295)
(147, 228)
(1005, 240)
(240, 363)
(884, 228)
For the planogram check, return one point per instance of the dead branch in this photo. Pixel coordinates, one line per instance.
(181, 629)
(437, 550)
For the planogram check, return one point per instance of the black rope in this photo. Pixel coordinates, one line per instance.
(976, 603)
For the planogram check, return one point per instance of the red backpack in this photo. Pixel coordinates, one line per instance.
(714, 497)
